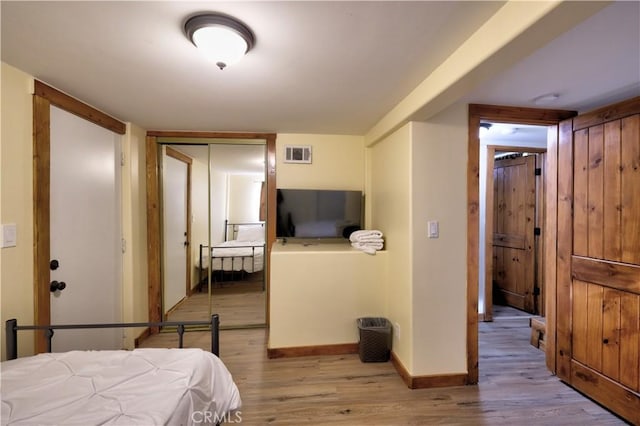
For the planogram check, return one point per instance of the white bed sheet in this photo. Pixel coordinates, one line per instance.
(139, 387)
(236, 255)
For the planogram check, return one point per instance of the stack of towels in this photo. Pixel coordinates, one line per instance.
(369, 241)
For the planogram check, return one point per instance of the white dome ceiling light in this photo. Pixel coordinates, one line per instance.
(222, 38)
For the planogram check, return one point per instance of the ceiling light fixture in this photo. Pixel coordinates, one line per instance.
(222, 38)
(484, 129)
(546, 99)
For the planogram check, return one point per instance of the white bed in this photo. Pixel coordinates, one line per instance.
(237, 255)
(244, 251)
(139, 387)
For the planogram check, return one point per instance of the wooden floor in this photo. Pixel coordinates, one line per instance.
(515, 387)
(238, 303)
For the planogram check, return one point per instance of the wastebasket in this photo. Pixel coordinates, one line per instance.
(375, 339)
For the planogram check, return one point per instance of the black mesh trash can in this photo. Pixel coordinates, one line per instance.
(375, 339)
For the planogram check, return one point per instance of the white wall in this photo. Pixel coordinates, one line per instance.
(243, 197)
(219, 187)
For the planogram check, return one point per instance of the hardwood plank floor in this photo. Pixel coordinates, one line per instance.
(239, 303)
(515, 387)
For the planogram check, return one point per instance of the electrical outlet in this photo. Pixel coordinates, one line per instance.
(396, 330)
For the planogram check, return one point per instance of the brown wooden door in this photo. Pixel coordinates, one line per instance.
(598, 300)
(513, 238)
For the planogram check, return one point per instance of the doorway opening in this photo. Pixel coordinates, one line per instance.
(475, 275)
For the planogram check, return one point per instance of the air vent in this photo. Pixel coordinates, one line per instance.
(297, 154)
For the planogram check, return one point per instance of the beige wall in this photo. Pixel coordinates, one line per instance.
(319, 291)
(439, 181)
(16, 286)
(135, 300)
(389, 199)
(338, 162)
(199, 212)
(16, 206)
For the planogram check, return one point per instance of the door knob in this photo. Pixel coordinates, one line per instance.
(55, 286)
(54, 264)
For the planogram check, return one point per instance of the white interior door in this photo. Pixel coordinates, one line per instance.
(85, 231)
(174, 195)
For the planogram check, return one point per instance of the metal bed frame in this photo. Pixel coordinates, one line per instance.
(12, 328)
(234, 231)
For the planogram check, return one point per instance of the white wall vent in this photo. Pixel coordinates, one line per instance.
(297, 154)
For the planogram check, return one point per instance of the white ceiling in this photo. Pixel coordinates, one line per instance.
(318, 67)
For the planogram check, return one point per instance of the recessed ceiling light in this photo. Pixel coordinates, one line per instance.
(546, 99)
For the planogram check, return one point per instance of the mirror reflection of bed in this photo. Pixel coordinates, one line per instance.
(226, 232)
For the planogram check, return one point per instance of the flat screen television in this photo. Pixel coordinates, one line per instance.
(315, 213)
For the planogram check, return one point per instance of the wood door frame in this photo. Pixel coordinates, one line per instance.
(153, 207)
(488, 225)
(188, 161)
(506, 114)
(43, 97)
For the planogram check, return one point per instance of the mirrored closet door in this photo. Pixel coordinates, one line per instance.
(213, 232)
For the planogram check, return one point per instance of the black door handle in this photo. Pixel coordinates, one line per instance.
(55, 286)
(54, 264)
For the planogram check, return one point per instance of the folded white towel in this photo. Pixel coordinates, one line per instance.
(369, 240)
(369, 248)
(365, 233)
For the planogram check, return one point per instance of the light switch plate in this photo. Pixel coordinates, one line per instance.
(433, 229)
(9, 235)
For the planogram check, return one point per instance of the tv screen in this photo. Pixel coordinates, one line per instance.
(313, 213)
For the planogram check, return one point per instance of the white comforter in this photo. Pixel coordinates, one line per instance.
(140, 387)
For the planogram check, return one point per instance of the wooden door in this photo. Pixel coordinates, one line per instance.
(513, 237)
(598, 300)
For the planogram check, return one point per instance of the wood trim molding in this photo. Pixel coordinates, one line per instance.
(153, 232)
(473, 244)
(550, 246)
(607, 113)
(74, 106)
(142, 337)
(517, 149)
(298, 351)
(209, 135)
(522, 115)
(41, 217)
(563, 255)
(426, 382)
(178, 155)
